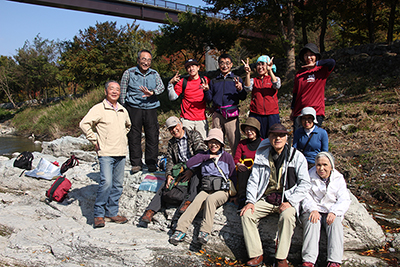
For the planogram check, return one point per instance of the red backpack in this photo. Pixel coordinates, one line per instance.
(58, 191)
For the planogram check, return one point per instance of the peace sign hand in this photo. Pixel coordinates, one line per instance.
(204, 84)
(238, 84)
(247, 68)
(176, 78)
(270, 64)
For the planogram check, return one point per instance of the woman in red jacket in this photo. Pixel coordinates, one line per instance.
(264, 90)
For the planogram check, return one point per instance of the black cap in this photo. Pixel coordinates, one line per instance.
(313, 48)
(191, 62)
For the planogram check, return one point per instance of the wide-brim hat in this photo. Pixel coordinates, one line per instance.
(217, 134)
(252, 122)
(278, 128)
(191, 62)
(172, 122)
(313, 48)
(307, 111)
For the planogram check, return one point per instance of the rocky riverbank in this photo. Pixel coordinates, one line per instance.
(34, 232)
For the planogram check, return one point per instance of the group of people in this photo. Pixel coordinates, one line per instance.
(262, 175)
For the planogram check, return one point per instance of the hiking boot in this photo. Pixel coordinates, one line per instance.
(281, 263)
(184, 207)
(333, 264)
(117, 219)
(152, 168)
(177, 237)
(203, 238)
(307, 264)
(136, 169)
(148, 216)
(99, 222)
(255, 261)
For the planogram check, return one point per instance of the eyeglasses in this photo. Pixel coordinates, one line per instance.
(222, 63)
(275, 135)
(145, 59)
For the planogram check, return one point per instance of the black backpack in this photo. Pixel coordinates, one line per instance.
(70, 163)
(24, 160)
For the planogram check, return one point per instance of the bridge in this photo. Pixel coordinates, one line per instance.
(148, 10)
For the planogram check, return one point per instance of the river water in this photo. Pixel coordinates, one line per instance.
(11, 144)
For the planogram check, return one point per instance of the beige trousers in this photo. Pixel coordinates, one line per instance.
(200, 126)
(286, 225)
(208, 202)
(230, 127)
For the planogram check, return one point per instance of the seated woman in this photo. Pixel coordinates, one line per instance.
(310, 139)
(217, 167)
(325, 204)
(244, 156)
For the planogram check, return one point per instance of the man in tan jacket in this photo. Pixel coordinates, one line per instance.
(111, 123)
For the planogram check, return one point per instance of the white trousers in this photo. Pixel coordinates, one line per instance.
(311, 235)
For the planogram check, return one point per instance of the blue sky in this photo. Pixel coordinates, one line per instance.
(20, 22)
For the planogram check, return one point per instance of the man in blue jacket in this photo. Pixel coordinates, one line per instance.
(225, 91)
(139, 87)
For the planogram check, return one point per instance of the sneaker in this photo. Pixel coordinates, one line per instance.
(148, 216)
(117, 219)
(307, 264)
(177, 237)
(203, 238)
(184, 207)
(152, 168)
(99, 222)
(333, 264)
(136, 169)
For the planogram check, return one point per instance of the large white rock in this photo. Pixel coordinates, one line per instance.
(64, 145)
(61, 234)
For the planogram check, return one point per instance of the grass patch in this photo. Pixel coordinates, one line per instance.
(50, 122)
(5, 114)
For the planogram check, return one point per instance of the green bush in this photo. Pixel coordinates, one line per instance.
(5, 114)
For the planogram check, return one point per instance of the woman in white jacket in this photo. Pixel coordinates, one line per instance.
(325, 204)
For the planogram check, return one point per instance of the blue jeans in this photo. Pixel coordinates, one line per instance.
(110, 186)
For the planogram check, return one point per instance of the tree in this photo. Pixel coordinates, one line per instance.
(37, 67)
(193, 35)
(100, 53)
(393, 4)
(7, 67)
(274, 20)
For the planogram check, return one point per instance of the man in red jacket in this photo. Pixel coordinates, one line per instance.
(193, 105)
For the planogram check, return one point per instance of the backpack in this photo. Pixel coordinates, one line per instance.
(70, 163)
(177, 190)
(59, 189)
(24, 160)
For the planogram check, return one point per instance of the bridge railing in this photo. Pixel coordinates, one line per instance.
(179, 7)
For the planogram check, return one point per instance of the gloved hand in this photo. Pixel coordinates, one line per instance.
(186, 175)
(242, 167)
